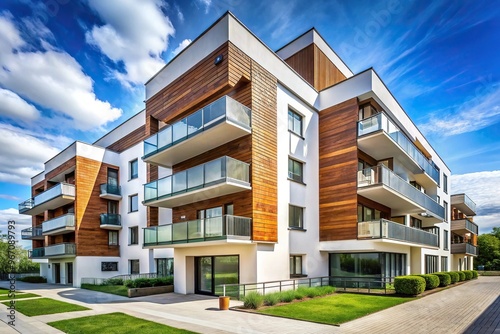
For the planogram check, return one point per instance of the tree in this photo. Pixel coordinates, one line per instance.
(489, 250)
(22, 263)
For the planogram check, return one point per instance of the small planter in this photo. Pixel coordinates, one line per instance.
(223, 303)
(139, 292)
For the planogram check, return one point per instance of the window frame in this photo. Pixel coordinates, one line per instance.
(131, 267)
(444, 260)
(110, 233)
(292, 176)
(446, 237)
(131, 174)
(293, 116)
(445, 183)
(292, 214)
(293, 266)
(431, 263)
(133, 237)
(130, 207)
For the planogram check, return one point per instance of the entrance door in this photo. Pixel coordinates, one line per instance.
(57, 273)
(69, 273)
(212, 271)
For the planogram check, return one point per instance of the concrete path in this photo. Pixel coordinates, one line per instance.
(450, 311)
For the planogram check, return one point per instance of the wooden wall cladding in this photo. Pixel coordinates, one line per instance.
(91, 240)
(315, 67)
(385, 210)
(338, 164)
(129, 140)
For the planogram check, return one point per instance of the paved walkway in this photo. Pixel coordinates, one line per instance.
(471, 306)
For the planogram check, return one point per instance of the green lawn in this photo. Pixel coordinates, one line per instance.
(113, 323)
(18, 296)
(335, 309)
(120, 290)
(45, 306)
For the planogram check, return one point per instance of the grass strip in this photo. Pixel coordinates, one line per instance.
(19, 296)
(113, 323)
(43, 306)
(335, 309)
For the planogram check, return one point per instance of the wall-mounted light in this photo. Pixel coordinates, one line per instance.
(218, 59)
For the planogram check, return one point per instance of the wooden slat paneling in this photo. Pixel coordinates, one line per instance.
(129, 140)
(338, 156)
(303, 63)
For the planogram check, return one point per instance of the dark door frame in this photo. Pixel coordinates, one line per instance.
(197, 270)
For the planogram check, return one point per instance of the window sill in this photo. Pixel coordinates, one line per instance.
(134, 244)
(299, 182)
(298, 276)
(133, 211)
(297, 229)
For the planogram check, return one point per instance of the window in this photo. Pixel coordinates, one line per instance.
(445, 240)
(295, 170)
(133, 203)
(445, 183)
(134, 235)
(295, 265)
(438, 199)
(133, 169)
(165, 267)
(294, 122)
(109, 266)
(431, 264)
(415, 222)
(134, 267)
(445, 205)
(416, 185)
(366, 214)
(370, 266)
(444, 263)
(296, 217)
(113, 238)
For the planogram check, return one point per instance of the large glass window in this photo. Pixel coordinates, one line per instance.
(212, 271)
(113, 238)
(294, 122)
(431, 264)
(295, 217)
(134, 267)
(366, 214)
(295, 170)
(295, 265)
(444, 263)
(165, 267)
(374, 265)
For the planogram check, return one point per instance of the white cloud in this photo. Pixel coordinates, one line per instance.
(9, 197)
(22, 222)
(481, 188)
(52, 79)
(135, 34)
(207, 4)
(182, 45)
(14, 107)
(180, 15)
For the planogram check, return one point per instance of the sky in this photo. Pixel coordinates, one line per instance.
(73, 70)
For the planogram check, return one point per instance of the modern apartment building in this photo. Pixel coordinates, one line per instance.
(463, 232)
(252, 165)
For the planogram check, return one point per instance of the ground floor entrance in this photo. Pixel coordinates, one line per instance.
(212, 271)
(57, 273)
(69, 273)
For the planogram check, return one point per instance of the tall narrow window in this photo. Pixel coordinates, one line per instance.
(113, 238)
(134, 267)
(294, 122)
(445, 240)
(295, 170)
(133, 201)
(445, 205)
(133, 169)
(296, 217)
(295, 265)
(445, 183)
(444, 263)
(431, 264)
(134, 235)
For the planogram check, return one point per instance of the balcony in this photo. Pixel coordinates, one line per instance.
(57, 196)
(111, 221)
(59, 225)
(225, 228)
(463, 203)
(110, 191)
(216, 124)
(463, 248)
(54, 251)
(382, 185)
(216, 178)
(32, 233)
(386, 229)
(463, 226)
(381, 138)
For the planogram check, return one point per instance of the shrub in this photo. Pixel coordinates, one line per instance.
(431, 281)
(326, 290)
(129, 283)
(455, 277)
(468, 275)
(271, 299)
(253, 300)
(462, 275)
(444, 279)
(409, 285)
(33, 279)
(299, 294)
(148, 282)
(309, 291)
(474, 273)
(113, 281)
(287, 296)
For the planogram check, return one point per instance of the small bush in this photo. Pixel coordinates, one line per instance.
(253, 300)
(149, 282)
(455, 277)
(409, 285)
(113, 281)
(309, 292)
(33, 279)
(299, 295)
(468, 275)
(287, 296)
(444, 279)
(462, 275)
(326, 290)
(129, 283)
(271, 299)
(431, 281)
(474, 274)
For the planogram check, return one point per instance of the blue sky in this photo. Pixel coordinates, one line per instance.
(71, 70)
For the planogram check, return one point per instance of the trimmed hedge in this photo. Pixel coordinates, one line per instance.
(33, 279)
(409, 285)
(475, 274)
(462, 275)
(113, 281)
(431, 281)
(468, 274)
(444, 278)
(149, 282)
(455, 277)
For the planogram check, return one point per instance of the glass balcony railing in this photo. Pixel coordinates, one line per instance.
(471, 226)
(386, 229)
(31, 232)
(110, 189)
(382, 175)
(58, 250)
(199, 230)
(379, 122)
(60, 189)
(223, 109)
(198, 177)
(111, 219)
(61, 222)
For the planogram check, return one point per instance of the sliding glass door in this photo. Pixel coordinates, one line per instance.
(212, 271)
